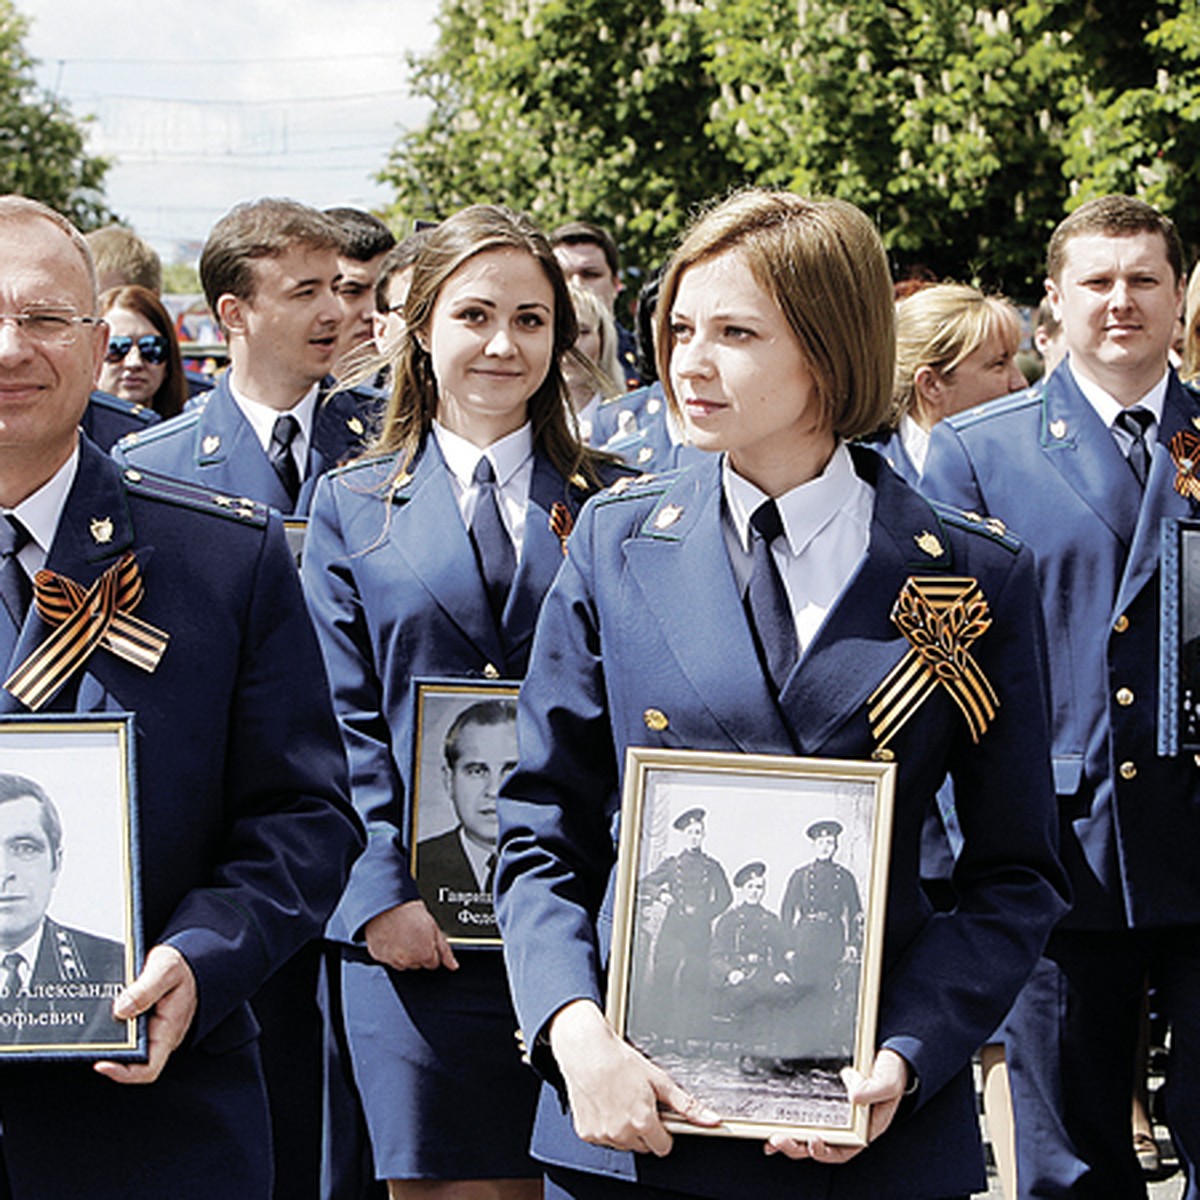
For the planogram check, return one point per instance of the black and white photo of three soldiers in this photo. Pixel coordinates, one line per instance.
(719, 973)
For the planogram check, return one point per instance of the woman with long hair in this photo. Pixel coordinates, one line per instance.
(142, 363)
(429, 558)
(746, 604)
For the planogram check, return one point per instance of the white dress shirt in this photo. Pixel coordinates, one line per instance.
(512, 461)
(826, 526)
(262, 418)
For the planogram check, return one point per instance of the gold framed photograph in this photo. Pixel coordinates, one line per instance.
(464, 745)
(748, 932)
(70, 917)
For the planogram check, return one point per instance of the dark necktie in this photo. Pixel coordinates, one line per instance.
(1136, 422)
(10, 976)
(489, 883)
(15, 588)
(767, 603)
(493, 546)
(281, 456)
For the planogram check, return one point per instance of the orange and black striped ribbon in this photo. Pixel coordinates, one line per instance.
(101, 615)
(941, 616)
(561, 522)
(1185, 454)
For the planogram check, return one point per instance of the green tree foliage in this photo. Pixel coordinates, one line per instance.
(967, 130)
(41, 143)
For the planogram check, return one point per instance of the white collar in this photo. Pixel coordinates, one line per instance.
(41, 512)
(805, 510)
(507, 455)
(262, 417)
(1108, 408)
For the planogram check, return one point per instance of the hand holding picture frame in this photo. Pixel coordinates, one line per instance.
(70, 920)
(748, 935)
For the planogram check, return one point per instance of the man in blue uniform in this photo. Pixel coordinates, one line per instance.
(245, 831)
(1084, 465)
(269, 428)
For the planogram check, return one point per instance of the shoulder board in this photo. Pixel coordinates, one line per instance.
(185, 420)
(382, 465)
(139, 412)
(152, 486)
(971, 522)
(634, 487)
(1026, 398)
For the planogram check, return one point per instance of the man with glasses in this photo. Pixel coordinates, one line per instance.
(274, 423)
(244, 844)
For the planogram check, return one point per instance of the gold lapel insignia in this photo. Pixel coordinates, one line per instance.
(561, 522)
(667, 516)
(653, 405)
(102, 530)
(929, 543)
(578, 482)
(655, 719)
(645, 454)
(490, 672)
(211, 443)
(1185, 454)
(941, 616)
(1058, 429)
(355, 426)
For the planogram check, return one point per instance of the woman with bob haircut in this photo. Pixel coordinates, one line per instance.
(955, 348)
(775, 342)
(474, 458)
(592, 367)
(142, 363)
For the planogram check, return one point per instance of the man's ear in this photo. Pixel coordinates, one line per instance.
(231, 312)
(1055, 297)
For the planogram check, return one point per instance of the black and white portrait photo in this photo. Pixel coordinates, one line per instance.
(68, 930)
(467, 745)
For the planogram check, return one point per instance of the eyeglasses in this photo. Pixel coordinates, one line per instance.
(47, 326)
(152, 348)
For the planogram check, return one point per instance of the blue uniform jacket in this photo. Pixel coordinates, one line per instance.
(245, 830)
(214, 446)
(634, 427)
(889, 446)
(646, 614)
(108, 418)
(1043, 462)
(395, 593)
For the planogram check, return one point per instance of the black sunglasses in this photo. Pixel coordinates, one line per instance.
(152, 348)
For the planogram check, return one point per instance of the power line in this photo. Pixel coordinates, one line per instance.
(217, 101)
(391, 56)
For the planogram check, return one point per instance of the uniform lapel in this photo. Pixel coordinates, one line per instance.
(229, 456)
(541, 555)
(679, 560)
(95, 529)
(1082, 449)
(1161, 499)
(427, 530)
(858, 644)
(338, 433)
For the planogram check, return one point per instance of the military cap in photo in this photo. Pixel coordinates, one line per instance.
(824, 829)
(686, 818)
(748, 872)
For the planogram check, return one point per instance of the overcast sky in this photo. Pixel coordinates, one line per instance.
(201, 105)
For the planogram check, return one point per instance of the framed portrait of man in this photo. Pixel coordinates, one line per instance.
(70, 928)
(465, 745)
(748, 932)
(1179, 638)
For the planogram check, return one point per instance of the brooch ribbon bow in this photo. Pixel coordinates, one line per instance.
(101, 615)
(561, 522)
(941, 616)
(1185, 454)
